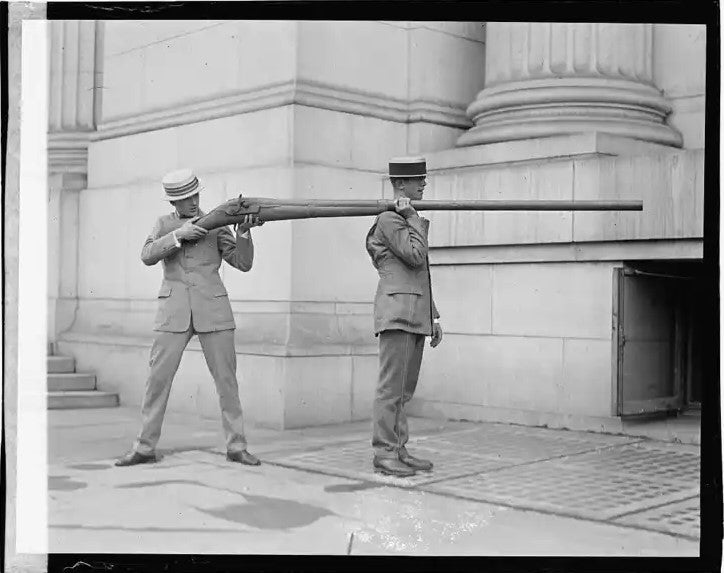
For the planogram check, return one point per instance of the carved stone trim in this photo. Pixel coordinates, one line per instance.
(548, 107)
(549, 79)
(68, 152)
(299, 92)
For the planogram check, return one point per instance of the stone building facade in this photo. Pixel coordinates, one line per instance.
(565, 319)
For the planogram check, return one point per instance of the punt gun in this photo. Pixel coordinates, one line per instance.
(234, 210)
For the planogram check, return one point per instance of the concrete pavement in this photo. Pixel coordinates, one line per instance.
(496, 490)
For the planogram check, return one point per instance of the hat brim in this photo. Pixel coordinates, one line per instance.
(412, 176)
(185, 195)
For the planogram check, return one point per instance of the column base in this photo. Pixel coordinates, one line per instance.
(558, 106)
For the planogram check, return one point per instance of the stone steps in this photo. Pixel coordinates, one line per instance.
(68, 389)
(61, 382)
(60, 364)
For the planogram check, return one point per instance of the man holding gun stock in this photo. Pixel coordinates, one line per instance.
(404, 313)
(193, 300)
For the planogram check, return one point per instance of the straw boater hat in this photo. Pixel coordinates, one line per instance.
(408, 167)
(180, 184)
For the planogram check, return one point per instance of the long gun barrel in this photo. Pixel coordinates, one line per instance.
(234, 210)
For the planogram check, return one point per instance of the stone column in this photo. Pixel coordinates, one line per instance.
(545, 79)
(73, 77)
(72, 97)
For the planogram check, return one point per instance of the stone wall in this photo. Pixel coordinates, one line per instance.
(315, 109)
(526, 298)
(524, 342)
(277, 109)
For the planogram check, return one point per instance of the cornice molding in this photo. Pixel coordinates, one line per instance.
(299, 92)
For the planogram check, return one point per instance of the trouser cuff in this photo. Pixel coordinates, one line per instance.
(385, 453)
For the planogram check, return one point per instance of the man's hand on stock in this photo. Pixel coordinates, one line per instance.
(403, 207)
(190, 232)
(248, 222)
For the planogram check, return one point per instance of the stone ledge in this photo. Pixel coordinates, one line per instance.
(544, 148)
(231, 172)
(568, 252)
(480, 413)
(276, 350)
(310, 325)
(244, 306)
(280, 388)
(665, 430)
(298, 92)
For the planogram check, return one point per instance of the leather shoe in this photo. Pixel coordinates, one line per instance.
(243, 457)
(133, 458)
(415, 463)
(393, 467)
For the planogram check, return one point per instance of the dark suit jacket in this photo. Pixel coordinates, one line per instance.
(191, 284)
(398, 248)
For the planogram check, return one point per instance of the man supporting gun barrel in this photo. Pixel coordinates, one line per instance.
(193, 300)
(404, 313)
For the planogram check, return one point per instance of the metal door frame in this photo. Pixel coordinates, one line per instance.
(675, 402)
(616, 349)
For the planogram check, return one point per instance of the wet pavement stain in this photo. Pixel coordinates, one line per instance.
(90, 466)
(265, 512)
(258, 511)
(351, 487)
(64, 483)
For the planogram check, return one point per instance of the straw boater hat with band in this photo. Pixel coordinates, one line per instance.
(181, 184)
(407, 167)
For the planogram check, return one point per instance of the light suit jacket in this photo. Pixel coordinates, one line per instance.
(398, 249)
(191, 287)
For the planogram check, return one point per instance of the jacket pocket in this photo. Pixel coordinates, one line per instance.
(165, 291)
(401, 289)
(220, 307)
(219, 291)
(396, 306)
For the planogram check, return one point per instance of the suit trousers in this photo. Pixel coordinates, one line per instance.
(400, 359)
(220, 355)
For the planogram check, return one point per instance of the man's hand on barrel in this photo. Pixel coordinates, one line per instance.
(403, 207)
(247, 223)
(190, 232)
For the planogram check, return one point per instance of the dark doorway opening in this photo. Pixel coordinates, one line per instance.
(659, 321)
